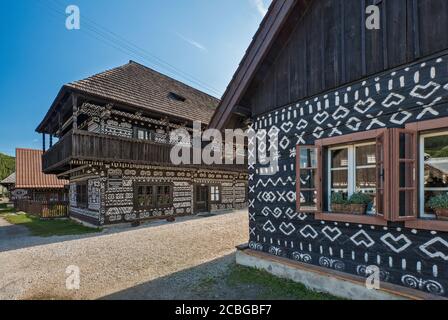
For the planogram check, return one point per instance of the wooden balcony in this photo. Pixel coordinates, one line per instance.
(88, 146)
(84, 145)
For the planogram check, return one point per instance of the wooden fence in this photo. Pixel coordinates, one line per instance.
(44, 210)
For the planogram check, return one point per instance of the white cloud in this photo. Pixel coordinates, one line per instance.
(193, 42)
(261, 7)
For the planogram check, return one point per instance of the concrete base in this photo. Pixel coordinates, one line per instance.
(323, 280)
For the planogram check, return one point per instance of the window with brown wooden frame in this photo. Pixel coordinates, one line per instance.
(432, 148)
(164, 196)
(150, 196)
(308, 179)
(354, 164)
(143, 197)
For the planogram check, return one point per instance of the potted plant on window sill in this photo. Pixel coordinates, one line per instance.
(440, 206)
(338, 203)
(358, 203)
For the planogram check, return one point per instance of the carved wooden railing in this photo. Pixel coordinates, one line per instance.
(89, 146)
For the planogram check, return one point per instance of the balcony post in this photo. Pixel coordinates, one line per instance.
(43, 142)
(75, 111)
(51, 141)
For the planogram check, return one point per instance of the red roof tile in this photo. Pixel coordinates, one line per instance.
(29, 173)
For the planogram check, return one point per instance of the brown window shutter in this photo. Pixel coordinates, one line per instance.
(308, 178)
(319, 175)
(403, 175)
(383, 174)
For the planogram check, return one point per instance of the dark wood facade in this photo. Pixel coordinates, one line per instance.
(324, 82)
(330, 46)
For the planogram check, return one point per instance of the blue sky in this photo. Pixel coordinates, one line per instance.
(204, 40)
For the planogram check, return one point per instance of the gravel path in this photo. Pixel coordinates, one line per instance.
(9, 232)
(120, 260)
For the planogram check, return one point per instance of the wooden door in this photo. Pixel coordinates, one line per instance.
(201, 199)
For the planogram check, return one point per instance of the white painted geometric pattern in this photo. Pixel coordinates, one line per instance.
(396, 244)
(430, 250)
(362, 238)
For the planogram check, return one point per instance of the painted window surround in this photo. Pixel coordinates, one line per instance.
(414, 221)
(154, 195)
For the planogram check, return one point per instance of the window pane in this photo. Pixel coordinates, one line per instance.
(436, 162)
(339, 158)
(436, 147)
(163, 195)
(307, 179)
(406, 146)
(407, 174)
(366, 155)
(406, 203)
(366, 178)
(428, 196)
(339, 179)
(435, 177)
(308, 158)
(308, 200)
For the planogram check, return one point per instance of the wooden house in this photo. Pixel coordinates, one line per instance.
(360, 113)
(113, 132)
(8, 183)
(34, 185)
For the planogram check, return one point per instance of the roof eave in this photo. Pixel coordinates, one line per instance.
(41, 127)
(259, 47)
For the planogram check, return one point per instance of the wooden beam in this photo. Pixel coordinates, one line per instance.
(242, 111)
(75, 111)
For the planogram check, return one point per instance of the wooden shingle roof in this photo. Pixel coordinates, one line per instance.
(11, 179)
(140, 86)
(29, 173)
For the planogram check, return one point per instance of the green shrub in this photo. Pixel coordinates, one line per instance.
(439, 202)
(338, 198)
(360, 198)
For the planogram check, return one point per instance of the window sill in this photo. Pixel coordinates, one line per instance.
(432, 225)
(351, 218)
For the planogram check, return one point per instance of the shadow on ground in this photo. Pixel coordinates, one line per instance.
(15, 237)
(208, 281)
(220, 279)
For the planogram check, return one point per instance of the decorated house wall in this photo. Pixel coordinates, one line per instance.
(407, 257)
(111, 191)
(106, 120)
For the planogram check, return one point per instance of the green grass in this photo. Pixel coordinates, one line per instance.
(274, 288)
(6, 211)
(48, 228)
